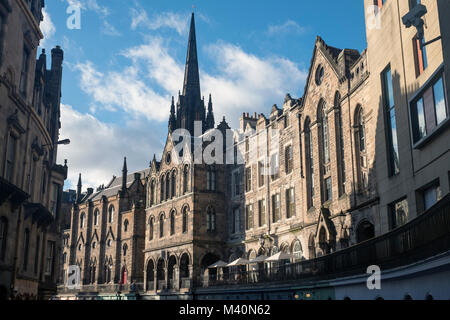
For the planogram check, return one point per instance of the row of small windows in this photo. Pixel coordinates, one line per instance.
(96, 221)
(168, 184)
(172, 223)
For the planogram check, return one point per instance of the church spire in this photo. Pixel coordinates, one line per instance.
(79, 185)
(210, 116)
(191, 88)
(124, 175)
(172, 118)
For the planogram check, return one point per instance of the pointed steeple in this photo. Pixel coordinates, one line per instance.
(79, 186)
(124, 175)
(210, 123)
(172, 118)
(191, 88)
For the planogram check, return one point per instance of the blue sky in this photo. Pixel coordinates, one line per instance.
(127, 60)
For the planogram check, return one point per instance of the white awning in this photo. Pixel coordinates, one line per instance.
(238, 262)
(218, 264)
(259, 259)
(279, 257)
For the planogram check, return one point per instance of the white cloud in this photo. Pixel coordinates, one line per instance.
(97, 148)
(178, 22)
(47, 27)
(124, 89)
(288, 27)
(110, 30)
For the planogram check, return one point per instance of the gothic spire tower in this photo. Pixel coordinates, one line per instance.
(190, 106)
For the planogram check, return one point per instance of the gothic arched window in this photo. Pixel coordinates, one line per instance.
(96, 217)
(185, 219)
(361, 148)
(339, 144)
(125, 226)
(161, 225)
(324, 133)
(167, 186)
(172, 223)
(185, 178)
(151, 227)
(211, 178)
(111, 214)
(152, 193)
(82, 220)
(211, 219)
(173, 185)
(309, 163)
(162, 185)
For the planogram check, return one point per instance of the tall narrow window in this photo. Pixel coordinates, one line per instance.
(275, 166)
(96, 217)
(340, 144)
(211, 219)
(24, 71)
(172, 223)
(3, 237)
(360, 142)
(261, 174)
(249, 217)
(288, 158)
(167, 197)
(152, 193)
(36, 255)
(324, 134)
(328, 191)
(10, 158)
(236, 220)
(111, 214)
(50, 259)
(237, 183)
(26, 249)
(290, 203)
(82, 220)
(309, 164)
(276, 208)
(151, 227)
(391, 124)
(185, 178)
(211, 179)
(162, 185)
(161, 226)
(248, 179)
(125, 226)
(185, 220)
(262, 212)
(173, 185)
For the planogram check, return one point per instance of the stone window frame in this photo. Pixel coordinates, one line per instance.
(309, 163)
(361, 148)
(340, 144)
(185, 218)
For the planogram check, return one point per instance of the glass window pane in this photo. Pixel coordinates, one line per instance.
(389, 89)
(439, 100)
(420, 129)
(395, 155)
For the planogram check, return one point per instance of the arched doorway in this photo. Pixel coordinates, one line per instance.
(184, 271)
(170, 272)
(150, 275)
(160, 274)
(365, 231)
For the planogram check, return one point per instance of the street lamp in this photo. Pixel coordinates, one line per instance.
(64, 142)
(414, 18)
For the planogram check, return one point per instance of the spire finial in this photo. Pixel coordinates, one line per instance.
(192, 78)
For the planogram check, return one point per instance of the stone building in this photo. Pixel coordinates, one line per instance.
(31, 181)
(363, 152)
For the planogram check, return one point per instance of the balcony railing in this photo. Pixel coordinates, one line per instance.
(422, 238)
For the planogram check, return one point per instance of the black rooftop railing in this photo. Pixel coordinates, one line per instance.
(424, 237)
